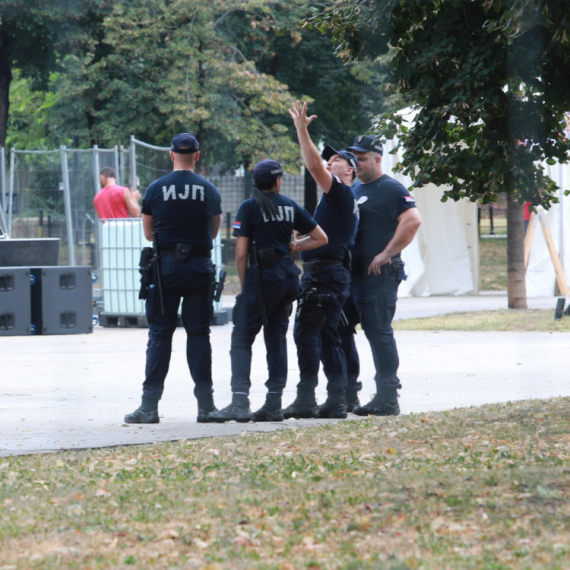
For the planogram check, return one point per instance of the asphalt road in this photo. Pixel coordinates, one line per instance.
(72, 391)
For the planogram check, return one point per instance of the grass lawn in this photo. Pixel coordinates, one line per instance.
(523, 320)
(483, 488)
(493, 264)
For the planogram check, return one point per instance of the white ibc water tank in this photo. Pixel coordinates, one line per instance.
(121, 243)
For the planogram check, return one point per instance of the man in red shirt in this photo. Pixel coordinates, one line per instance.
(114, 201)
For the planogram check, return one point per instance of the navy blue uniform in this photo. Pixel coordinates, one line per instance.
(280, 285)
(380, 203)
(337, 214)
(181, 205)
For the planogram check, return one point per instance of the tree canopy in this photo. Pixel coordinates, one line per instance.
(34, 34)
(485, 76)
(225, 70)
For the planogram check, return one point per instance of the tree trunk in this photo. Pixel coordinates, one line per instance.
(515, 255)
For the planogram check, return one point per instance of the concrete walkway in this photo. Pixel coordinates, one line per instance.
(71, 392)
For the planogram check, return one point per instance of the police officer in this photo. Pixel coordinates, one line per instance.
(389, 220)
(270, 283)
(182, 211)
(325, 284)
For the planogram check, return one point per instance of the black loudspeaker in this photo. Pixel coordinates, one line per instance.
(15, 305)
(62, 300)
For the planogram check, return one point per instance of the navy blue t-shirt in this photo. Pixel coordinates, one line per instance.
(380, 203)
(272, 231)
(337, 213)
(182, 204)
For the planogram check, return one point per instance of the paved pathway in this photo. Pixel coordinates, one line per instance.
(71, 392)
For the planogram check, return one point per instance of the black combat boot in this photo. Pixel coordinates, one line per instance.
(271, 410)
(384, 403)
(146, 413)
(304, 406)
(352, 400)
(334, 407)
(237, 411)
(205, 407)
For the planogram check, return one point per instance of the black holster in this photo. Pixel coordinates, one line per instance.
(182, 252)
(217, 288)
(145, 269)
(266, 257)
(312, 308)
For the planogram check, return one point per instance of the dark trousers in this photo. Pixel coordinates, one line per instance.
(324, 344)
(179, 281)
(350, 353)
(278, 295)
(375, 298)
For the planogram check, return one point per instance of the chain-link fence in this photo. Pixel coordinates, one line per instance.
(50, 193)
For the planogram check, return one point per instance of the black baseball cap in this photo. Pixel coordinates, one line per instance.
(266, 173)
(184, 143)
(364, 143)
(329, 151)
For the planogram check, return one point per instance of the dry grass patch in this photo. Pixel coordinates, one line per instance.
(483, 488)
(523, 320)
(493, 264)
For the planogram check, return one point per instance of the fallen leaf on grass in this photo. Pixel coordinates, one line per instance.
(169, 534)
(437, 523)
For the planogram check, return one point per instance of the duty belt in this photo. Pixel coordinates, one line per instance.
(251, 261)
(193, 253)
(320, 263)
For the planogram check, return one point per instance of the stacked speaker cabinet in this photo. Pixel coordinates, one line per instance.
(15, 307)
(61, 300)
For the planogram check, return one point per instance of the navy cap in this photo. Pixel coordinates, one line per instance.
(363, 143)
(266, 173)
(329, 151)
(184, 143)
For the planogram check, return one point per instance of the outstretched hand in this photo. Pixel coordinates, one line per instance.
(298, 112)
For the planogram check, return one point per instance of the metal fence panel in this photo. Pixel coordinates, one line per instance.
(50, 194)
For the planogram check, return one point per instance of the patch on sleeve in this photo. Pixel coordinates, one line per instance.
(409, 199)
(237, 225)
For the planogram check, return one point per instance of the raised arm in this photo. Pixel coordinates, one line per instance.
(311, 155)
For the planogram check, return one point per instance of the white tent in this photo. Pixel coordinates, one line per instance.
(540, 275)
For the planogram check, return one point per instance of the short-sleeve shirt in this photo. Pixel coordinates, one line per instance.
(110, 202)
(337, 214)
(380, 203)
(182, 205)
(272, 231)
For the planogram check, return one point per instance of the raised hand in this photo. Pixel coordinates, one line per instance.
(298, 112)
